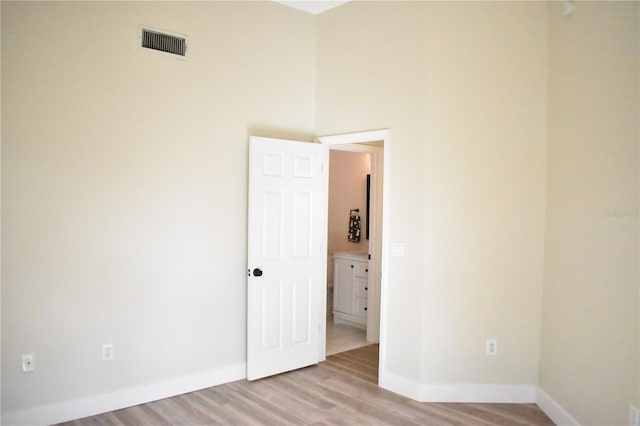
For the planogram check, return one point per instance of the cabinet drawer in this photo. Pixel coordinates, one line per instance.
(362, 270)
(362, 287)
(360, 307)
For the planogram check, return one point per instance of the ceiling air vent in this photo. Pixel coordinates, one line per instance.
(163, 42)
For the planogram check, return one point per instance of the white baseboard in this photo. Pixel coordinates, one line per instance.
(513, 394)
(96, 404)
(551, 408)
(92, 405)
(400, 385)
(522, 394)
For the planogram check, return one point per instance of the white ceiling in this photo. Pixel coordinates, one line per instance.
(312, 6)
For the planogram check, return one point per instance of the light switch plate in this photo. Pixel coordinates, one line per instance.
(397, 249)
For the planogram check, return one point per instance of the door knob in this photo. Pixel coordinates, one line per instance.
(257, 272)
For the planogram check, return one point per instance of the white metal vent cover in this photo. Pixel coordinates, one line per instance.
(162, 41)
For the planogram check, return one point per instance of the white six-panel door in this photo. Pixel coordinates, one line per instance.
(286, 255)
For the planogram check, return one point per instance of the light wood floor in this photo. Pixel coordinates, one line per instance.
(340, 391)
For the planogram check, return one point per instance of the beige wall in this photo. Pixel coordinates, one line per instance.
(370, 70)
(465, 99)
(124, 186)
(589, 353)
(484, 186)
(347, 190)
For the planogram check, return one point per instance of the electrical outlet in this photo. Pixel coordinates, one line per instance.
(492, 346)
(107, 352)
(28, 363)
(634, 415)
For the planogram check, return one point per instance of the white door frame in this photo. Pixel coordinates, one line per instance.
(383, 257)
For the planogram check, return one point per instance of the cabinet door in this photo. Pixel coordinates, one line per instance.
(343, 286)
(360, 309)
(362, 269)
(362, 287)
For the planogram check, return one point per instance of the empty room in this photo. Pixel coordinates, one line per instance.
(164, 211)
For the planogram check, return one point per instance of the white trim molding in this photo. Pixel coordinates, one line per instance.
(356, 137)
(400, 385)
(555, 411)
(384, 136)
(470, 393)
(491, 393)
(96, 404)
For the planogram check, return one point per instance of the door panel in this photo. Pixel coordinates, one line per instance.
(302, 233)
(272, 218)
(271, 298)
(301, 312)
(287, 244)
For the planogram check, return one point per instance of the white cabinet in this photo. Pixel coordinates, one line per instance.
(350, 289)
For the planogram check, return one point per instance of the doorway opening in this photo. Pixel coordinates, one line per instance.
(355, 282)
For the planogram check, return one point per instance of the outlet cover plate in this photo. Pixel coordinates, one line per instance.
(634, 415)
(492, 346)
(107, 352)
(28, 362)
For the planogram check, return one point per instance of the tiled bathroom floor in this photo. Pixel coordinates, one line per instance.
(342, 337)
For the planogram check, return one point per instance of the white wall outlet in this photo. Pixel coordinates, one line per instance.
(634, 415)
(107, 352)
(28, 362)
(492, 346)
(397, 249)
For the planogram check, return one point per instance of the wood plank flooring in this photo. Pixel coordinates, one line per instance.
(341, 391)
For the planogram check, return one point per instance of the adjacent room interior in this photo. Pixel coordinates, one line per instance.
(350, 232)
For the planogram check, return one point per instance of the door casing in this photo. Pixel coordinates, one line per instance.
(380, 254)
